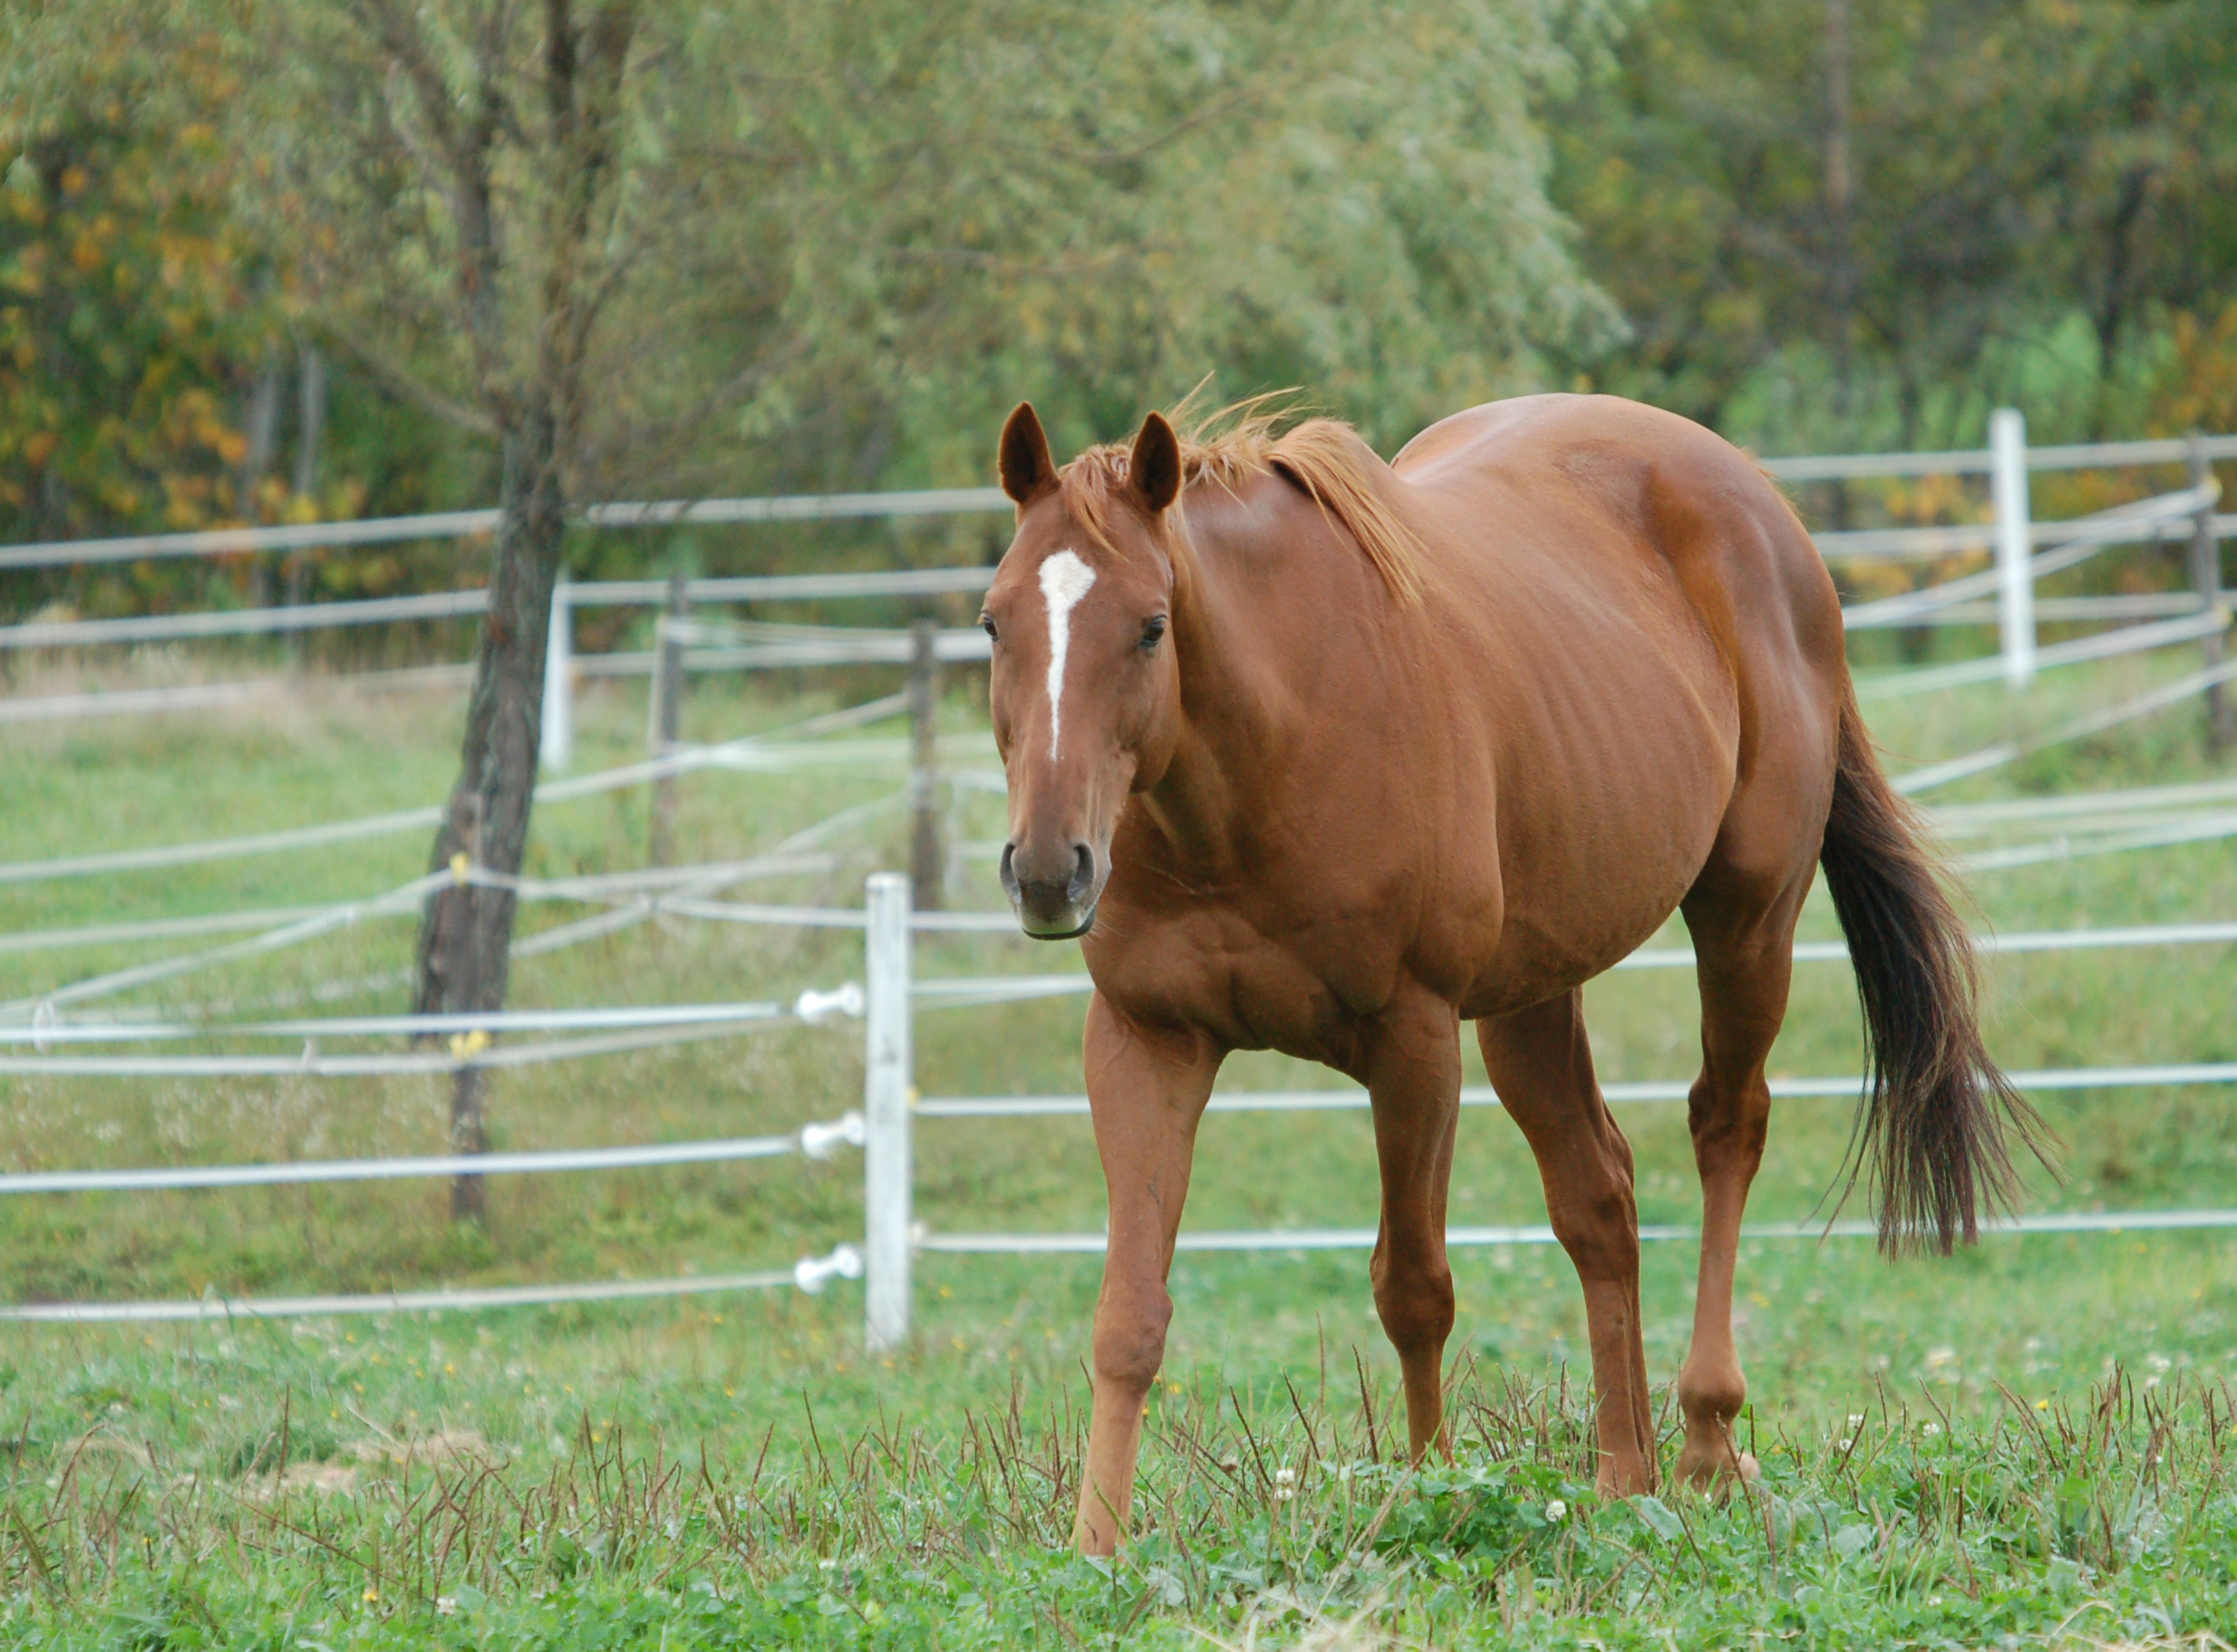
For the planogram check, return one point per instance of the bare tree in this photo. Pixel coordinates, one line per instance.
(511, 121)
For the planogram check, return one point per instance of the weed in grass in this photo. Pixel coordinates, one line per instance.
(1269, 1520)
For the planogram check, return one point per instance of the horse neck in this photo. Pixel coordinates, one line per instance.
(1247, 693)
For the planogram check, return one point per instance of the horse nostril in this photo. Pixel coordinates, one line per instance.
(1083, 872)
(1008, 871)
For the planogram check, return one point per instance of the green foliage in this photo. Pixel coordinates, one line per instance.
(129, 297)
(2014, 202)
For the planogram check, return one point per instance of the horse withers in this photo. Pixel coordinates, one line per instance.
(1326, 756)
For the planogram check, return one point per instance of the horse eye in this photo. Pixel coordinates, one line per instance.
(1152, 631)
(986, 624)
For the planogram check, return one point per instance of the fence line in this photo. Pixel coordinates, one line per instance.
(1457, 1238)
(333, 917)
(2084, 610)
(814, 1140)
(1347, 1099)
(467, 523)
(811, 1006)
(2138, 522)
(810, 1274)
(2072, 544)
(211, 924)
(1949, 817)
(239, 622)
(216, 696)
(2065, 848)
(954, 501)
(892, 992)
(974, 991)
(1975, 461)
(2095, 722)
(2103, 645)
(752, 753)
(465, 1052)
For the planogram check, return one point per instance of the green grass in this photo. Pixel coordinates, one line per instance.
(682, 1474)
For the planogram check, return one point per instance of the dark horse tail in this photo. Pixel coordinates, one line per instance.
(1931, 1131)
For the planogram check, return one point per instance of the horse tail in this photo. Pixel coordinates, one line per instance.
(1931, 1132)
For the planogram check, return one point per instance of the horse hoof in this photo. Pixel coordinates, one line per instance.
(1620, 1480)
(1717, 1472)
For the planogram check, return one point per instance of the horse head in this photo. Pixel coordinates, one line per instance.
(1085, 684)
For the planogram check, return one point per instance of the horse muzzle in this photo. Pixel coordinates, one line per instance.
(1054, 896)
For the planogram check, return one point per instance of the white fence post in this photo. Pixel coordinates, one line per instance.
(887, 1096)
(2015, 548)
(559, 742)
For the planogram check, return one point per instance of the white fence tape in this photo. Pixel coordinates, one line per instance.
(809, 1274)
(755, 754)
(465, 1052)
(1457, 1238)
(554, 1161)
(241, 621)
(213, 696)
(2143, 521)
(946, 501)
(464, 524)
(340, 916)
(222, 922)
(2103, 645)
(2095, 722)
(2068, 847)
(810, 1006)
(1974, 461)
(1342, 1099)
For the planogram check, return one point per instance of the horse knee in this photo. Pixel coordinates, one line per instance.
(1130, 1340)
(1415, 1304)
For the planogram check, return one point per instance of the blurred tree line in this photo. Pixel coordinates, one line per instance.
(281, 260)
(833, 243)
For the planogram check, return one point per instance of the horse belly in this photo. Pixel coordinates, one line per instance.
(1610, 799)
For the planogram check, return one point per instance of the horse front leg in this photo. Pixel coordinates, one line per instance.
(1147, 1090)
(1413, 1080)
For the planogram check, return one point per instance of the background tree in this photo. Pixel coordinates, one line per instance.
(1847, 224)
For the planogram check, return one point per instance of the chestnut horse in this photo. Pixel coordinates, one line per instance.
(1327, 755)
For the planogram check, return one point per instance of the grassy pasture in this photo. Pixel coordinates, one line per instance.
(2025, 1441)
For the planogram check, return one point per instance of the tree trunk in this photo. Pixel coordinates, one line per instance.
(466, 931)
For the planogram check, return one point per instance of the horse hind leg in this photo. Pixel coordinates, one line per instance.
(1542, 1066)
(1743, 940)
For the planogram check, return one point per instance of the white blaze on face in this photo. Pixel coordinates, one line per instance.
(1064, 580)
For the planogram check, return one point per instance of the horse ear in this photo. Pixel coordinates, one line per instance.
(1027, 471)
(1156, 468)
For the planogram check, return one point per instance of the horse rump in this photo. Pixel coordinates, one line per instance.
(1932, 1132)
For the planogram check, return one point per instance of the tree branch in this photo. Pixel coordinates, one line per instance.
(400, 380)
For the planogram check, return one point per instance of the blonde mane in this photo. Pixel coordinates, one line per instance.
(1228, 446)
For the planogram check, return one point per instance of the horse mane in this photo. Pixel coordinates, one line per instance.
(1225, 447)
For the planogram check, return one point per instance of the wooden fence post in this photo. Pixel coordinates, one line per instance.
(2207, 574)
(927, 860)
(667, 714)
